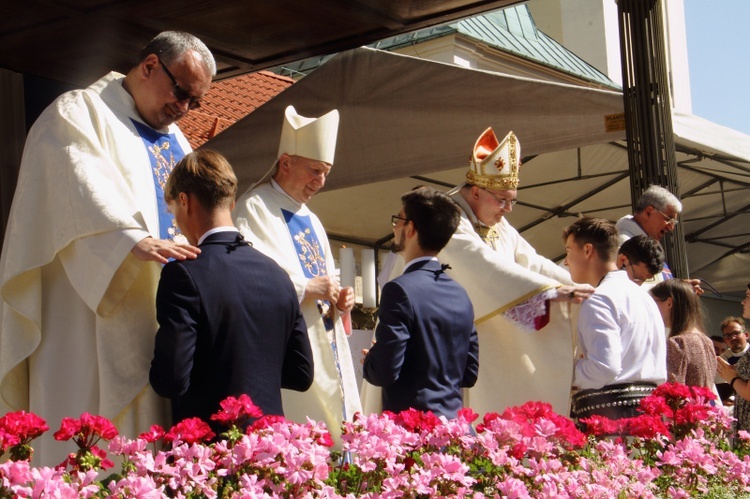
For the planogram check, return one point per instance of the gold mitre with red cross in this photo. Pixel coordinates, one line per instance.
(493, 164)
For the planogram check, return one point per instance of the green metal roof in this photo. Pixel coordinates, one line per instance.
(511, 30)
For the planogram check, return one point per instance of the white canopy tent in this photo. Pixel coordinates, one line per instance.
(408, 121)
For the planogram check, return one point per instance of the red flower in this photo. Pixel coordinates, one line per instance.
(98, 425)
(416, 421)
(23, 425)
(7, 440)
(69, 428)
(468, 414)
(235, 410)
(191, 430)
(153, 434)
(87, 430)
(601, 426)
(265, 422)
(325, 439)
(645, 426)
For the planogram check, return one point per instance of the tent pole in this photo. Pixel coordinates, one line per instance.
(648, 112)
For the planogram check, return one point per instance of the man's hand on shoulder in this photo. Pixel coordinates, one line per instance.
(151, 249)
(575, 293)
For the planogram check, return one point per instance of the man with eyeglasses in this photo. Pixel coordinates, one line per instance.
(273, 215)
(735, 336)
(426, 347)
(524, 332)
(87, 236)
(655, 214)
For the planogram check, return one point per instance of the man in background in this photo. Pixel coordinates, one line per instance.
(426, 346)
(735, 336)
(87, 235)
(229, 321)
(274, 216)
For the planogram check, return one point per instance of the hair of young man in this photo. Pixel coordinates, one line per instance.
(687, 310)
(598, 232)
(207, 175)
(659, 198)
(729, 320)
(434, 214)
(717, 338)
(644, 249)
(171, 45)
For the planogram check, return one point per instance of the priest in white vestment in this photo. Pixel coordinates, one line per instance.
(274, 216)
(87, 235)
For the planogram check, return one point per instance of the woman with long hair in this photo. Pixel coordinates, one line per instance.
(691, 359)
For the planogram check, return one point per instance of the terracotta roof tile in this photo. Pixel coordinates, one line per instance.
(229, 100)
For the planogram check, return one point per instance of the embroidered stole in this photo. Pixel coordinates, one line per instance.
(313, 263)
(164, 151)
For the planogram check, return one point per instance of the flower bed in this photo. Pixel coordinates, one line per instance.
(678, 447)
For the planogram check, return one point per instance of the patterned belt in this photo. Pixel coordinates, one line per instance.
(612, 401)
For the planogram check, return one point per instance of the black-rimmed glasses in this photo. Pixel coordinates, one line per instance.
(180, 93)
(396, 218)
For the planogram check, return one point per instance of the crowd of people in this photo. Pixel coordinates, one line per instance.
(146, 291)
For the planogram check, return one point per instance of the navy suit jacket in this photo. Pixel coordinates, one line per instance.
(426, 346)
(229, 324)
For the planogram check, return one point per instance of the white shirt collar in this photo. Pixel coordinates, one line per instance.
(225, 228)
(419, 259)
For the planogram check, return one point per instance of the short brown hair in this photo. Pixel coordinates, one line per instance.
(599, 232)
(730, 320)
(207, 175)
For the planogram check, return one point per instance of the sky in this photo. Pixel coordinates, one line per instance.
(718, 43)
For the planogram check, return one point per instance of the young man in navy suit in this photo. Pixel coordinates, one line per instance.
(229, 321)
(426, 347)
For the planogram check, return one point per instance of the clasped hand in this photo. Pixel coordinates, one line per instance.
(328, 288)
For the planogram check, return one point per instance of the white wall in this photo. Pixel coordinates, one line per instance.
(590, 29)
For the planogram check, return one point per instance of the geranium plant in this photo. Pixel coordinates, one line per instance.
(678, 447)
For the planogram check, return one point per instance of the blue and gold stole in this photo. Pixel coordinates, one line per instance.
(313, 262)
(164, 151)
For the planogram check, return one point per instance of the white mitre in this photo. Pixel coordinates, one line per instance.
(312, 138)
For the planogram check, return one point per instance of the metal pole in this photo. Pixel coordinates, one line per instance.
(648, 112)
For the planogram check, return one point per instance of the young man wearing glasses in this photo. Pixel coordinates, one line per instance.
(90, 232)
(426, 347)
